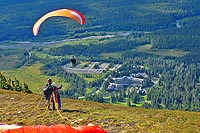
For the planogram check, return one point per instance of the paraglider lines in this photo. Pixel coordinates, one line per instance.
(58, 111)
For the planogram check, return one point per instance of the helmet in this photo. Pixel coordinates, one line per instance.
(54, 84)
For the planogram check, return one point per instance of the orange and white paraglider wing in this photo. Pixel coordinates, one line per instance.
(77, 16)
(90, 128)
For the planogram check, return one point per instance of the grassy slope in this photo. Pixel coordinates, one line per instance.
(113, 118)
(33, 76)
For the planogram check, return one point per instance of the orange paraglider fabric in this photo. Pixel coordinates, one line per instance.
(77, 16)
(90, 128)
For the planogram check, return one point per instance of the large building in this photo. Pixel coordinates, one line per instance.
(130, 81)
(125, 82)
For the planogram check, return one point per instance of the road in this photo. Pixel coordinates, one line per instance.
(28, 44)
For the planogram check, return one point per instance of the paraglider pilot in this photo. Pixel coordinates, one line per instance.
(48, 91)
(73, 60)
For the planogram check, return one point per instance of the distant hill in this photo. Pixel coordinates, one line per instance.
(18, 17)
(112, 118)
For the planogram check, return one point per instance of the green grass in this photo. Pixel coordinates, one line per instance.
(7, 62)
(114, 55)
(139, 104)
(82, 41)
(79, 42)
(112, 118)
(144, 48)
(91, 78)
(88, 91)
(121, 103)
(43, 56)
(163, 52)
(33, 77)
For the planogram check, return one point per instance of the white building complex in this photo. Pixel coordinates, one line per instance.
(125, 82)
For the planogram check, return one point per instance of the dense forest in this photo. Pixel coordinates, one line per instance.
(18, 17)
(178, 86)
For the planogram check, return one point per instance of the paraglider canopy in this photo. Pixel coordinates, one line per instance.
(68, 13)
(90, 128)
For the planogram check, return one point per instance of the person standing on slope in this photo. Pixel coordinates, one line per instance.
(49, 93)
(57, 95)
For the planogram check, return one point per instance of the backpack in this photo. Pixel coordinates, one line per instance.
(47, 91)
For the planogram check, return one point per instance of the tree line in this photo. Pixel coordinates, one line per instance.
(13, 84)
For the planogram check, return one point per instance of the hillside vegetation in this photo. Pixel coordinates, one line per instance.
(32, 75)
(112, 118)
(160, 36)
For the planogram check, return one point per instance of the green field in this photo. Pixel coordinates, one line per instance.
(163, 52)
(114, 55)
(8, 62)
(90, 78)
(147, 49)
(33, 77)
